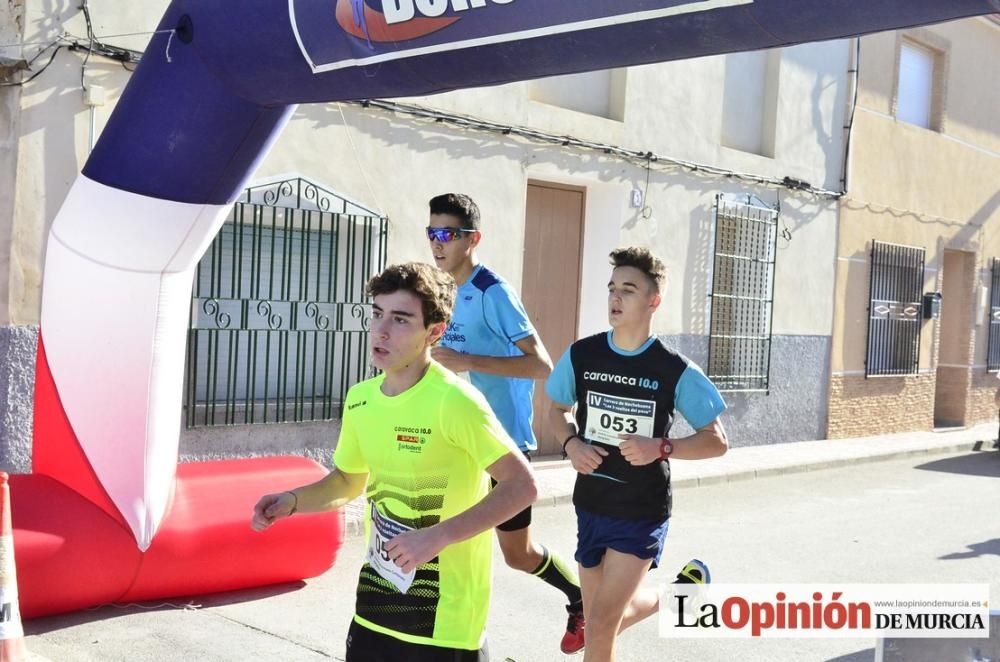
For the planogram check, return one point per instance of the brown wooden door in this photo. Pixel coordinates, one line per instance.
(550, 285)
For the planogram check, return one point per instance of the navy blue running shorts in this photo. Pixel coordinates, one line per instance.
(595, 534)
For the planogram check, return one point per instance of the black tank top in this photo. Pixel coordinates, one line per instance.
(624, 394)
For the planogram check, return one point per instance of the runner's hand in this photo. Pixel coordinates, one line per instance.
(449, 358)
(270, 509)
(412, 548)
(585, 458)
(638, 450)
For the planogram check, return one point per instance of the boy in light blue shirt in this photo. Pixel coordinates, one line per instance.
(490, 321)
(492, 339)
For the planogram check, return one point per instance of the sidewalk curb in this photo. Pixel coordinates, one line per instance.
(354, 511)
(819, 465)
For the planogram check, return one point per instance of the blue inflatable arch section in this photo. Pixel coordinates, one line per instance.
(210, 97)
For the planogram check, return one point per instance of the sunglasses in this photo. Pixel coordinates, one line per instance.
(444, 235)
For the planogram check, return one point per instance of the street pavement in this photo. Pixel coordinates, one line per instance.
(926, 511)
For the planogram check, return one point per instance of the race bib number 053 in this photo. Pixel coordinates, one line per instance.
(610, 415)
(383, 530)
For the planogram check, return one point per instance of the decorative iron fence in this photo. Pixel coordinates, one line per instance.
(739, 348)
(894, 311)
(993, 349)
(279, 319)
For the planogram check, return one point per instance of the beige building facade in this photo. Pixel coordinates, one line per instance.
(924, 176)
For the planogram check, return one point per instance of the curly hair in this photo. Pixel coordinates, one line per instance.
(434, 287)
(458, 205)
(644, 261)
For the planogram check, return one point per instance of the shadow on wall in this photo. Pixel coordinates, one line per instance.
(425, 136)
(988, 210)
(828, 137)
(697, 281)
(964, 237)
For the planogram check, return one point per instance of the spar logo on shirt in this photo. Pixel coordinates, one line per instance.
(411, 439)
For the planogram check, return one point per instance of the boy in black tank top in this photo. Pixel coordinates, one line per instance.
(627, 387)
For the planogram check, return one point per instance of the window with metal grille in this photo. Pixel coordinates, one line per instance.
(894, 311)
(993, 350)
(739, 348)
(279, 318)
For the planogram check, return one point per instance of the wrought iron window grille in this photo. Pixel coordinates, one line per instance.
(993, 346)
(742, 296)
(894, 310)
(279, 318)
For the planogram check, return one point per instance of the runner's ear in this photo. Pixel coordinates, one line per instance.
(657, 300)
(436, 331)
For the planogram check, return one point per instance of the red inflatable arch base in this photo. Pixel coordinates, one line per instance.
(73, 549)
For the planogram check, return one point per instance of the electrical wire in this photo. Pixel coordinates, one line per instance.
(31, 43)
(96, 38)
(354, 150)
(647, 211)
(636, 157)
(855, 72)
(90, 35)
(91, 45)
(44, 67)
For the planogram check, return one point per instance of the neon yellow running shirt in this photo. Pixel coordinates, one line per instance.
(425, 451)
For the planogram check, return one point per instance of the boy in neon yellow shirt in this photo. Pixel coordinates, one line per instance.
(425, 443)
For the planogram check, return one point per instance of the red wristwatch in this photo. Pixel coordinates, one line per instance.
(666, 448)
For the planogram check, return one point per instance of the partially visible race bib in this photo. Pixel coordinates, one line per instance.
(383, 530)
(610, 415)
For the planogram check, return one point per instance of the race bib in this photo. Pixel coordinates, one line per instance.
(610, 415)
(383, 530)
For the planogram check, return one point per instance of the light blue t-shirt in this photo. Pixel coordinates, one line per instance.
(488, 319)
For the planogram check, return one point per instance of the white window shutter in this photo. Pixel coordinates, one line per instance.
(916, 85)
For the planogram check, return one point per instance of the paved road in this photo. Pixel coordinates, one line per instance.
(931, 519)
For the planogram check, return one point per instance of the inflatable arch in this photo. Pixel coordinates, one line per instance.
(107, 514)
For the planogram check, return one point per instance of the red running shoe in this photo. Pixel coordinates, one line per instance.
(572, 641)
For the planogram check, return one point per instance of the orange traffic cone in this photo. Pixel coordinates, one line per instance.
(11, 632)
